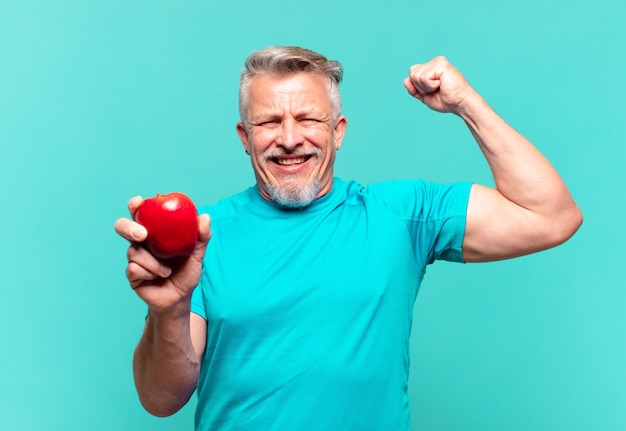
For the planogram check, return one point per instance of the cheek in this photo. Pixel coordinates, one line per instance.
(261, 141)
(318, 137)
(258, 161)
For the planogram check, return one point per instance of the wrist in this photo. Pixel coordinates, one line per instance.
(477, 113)
(471, 103)
(176, 311)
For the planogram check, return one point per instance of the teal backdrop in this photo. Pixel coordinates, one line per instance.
(103, 100)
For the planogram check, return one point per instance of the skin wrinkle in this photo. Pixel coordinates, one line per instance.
(530, 209)
(289, 117)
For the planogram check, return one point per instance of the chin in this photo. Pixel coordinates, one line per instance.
(294, 195)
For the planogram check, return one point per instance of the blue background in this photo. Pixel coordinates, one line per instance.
(100, 101)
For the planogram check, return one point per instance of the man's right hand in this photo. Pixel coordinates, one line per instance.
(161, 284)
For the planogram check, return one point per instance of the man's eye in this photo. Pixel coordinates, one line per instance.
(310, 121)
(269, 123)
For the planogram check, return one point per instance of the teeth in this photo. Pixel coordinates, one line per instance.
(291, 161)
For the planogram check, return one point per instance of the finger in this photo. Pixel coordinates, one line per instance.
(137, 275)
(427, 82)
(408, 84)
(143, 265)
(414, 82)
(426, 77)
(130, 230)
(133, 204)
(431, 84)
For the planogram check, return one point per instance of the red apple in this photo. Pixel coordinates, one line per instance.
(172, 224)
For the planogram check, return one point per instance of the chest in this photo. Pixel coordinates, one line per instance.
(348, 258)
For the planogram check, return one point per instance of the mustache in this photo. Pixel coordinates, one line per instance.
(279, 152)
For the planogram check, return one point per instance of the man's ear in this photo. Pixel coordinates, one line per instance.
(341, 124)
(243, 136)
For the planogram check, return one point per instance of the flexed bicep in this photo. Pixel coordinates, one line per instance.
(497, 228)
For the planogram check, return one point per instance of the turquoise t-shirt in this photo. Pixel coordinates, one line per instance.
(309, 311)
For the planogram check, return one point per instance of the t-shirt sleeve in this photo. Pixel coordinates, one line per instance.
(435, 215)
(198, 305)
(197, 300)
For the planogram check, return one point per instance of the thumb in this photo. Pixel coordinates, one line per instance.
(432, 85)
(204, 229)
(204, 235)
(431, 81)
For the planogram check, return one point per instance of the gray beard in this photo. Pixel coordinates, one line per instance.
(294, 195)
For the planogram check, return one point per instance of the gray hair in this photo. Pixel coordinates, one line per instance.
(286, 60)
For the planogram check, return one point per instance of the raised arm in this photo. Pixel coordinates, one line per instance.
(530, 209)
(166, 363)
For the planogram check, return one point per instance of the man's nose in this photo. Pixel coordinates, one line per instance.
(290, 135)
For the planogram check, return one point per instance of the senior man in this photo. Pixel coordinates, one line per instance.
(294, 311)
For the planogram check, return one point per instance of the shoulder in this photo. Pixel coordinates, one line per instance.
(229, 206)
(381, 190)
(419, 198)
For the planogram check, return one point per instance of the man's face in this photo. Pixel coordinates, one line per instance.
(292, 136)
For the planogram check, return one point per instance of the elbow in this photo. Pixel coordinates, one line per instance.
(162, 398)
(565, 225)
(161, 408)
(578, 219)
(161, 413)
(573, 221)
(157, 410)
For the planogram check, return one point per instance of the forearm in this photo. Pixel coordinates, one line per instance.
(166, 365)
(521, 173)
(530, 209)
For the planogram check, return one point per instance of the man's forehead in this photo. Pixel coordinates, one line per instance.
(259, 111)
(284, 82)
(295, 90)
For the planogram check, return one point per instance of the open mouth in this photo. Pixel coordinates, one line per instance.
(290, 160)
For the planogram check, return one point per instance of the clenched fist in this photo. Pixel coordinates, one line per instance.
(439, 85)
